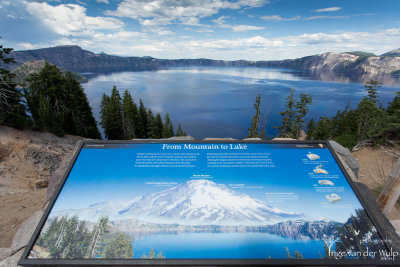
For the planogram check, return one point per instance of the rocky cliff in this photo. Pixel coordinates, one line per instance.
(350, 63)
(34, 66)
(76, 59)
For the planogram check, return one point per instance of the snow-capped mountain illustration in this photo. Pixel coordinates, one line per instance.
(195, 202)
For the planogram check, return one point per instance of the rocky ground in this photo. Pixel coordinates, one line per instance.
(28, 159)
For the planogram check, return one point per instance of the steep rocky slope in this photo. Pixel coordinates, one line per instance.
(34, 66)
(27, 159)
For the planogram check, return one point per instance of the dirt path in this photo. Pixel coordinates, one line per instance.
(375, 166)
(27, 159)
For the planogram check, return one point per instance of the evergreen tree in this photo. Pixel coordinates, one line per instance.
(160, 255)
(12, 110)
(158, 127)
(150, 125)
(81, 113)
(130, 114)
(179, 132)
(119, 248)
(105, 114)
(371, 119)
(392, 129)
(301, 107)
(59, 104)
(111, 115)
(152, 254)
(96, 244)
(372, 89)
(141, 122)
(168, 130)
(287, 116)
(323, 129)
(310, 128)
(255, 121)
(47, 99)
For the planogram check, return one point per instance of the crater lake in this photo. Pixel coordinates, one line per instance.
(218, 101)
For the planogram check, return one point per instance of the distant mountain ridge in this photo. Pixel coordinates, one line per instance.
(76, 59)
(194, 202)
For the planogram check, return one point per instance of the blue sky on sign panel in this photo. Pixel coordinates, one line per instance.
(218, 29)
(101, 175)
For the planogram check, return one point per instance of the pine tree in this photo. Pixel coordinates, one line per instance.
(47, 99)
(130, 114)
(310, 128)
(80, 111)
(179, 132)
(392, 129)
(152, 254)
(111, 115)
(323, 129)
(12, 110)
(158, 126)
(372, 89)
(287, 116)
(168, 130)
(119, 248)
(301, 107)
(59, 104)
(96, 245)
(141, 122)
(255, 121)
(105, 114)
(150, 125)
(160, 255)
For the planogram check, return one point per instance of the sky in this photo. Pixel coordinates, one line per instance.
(101, 175)
(216, 29)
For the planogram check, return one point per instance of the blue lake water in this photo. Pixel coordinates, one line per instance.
(226, 246)
(218, 101)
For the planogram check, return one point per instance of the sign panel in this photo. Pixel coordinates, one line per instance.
(207, 203)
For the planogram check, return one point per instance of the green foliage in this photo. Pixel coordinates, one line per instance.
(123, 120)
(258, 124)
(142, 121)
(129, 115)
(346, 140)
(158, 127)
(12, 110)
(323, 129)
(119, 248)
(285, 129)
(293, 116)
(367, 122)
(310, 128)
(69, 238)
(255, 121)
(152, 255)
(301, 107)
(179, 132)
(150, 124)
(372, 89)
(168, 129)
(59, 104)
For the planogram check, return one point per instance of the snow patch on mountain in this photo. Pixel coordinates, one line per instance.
(195, 202)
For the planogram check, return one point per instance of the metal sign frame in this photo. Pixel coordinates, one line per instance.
(25, 261)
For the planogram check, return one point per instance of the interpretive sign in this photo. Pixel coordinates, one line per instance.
(207, 203)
